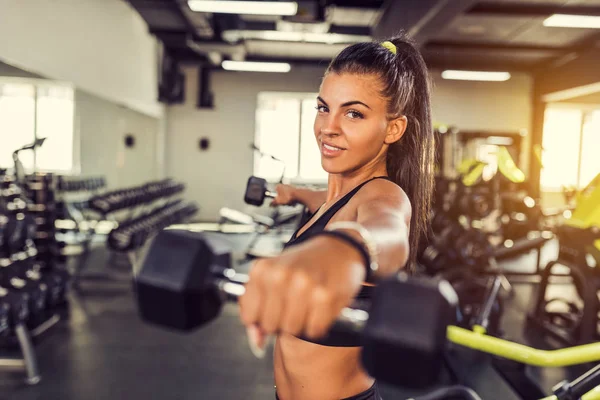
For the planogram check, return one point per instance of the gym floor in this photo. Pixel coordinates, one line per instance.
(103, 350)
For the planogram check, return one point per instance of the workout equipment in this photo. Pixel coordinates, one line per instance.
(125, 198)
(31, 289)
(77, 184)
(19, 171)
(256, 191)
(186, 277)
(579, 250)
(133, 234)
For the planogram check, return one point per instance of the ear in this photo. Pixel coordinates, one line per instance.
(396, 129)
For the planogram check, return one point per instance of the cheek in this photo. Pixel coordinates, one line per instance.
(369, 134)
(317, 126)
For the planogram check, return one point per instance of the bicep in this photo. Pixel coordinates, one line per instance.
(385, 211)
(388, 220)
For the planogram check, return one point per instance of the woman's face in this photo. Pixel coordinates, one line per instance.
(352, 127)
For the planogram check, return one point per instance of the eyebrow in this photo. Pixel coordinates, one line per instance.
(346, 104)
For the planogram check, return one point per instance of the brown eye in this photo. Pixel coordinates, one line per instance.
(355, 114)
(321, 109)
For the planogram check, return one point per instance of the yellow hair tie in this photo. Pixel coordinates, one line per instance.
(390, 46)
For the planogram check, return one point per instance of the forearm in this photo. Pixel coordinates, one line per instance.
(390, 238)
(312, 199)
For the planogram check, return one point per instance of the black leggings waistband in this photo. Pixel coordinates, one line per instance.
(371, 393)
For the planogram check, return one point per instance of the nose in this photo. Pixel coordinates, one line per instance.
(331, 126)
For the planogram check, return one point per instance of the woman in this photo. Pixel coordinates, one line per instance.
(373, 128)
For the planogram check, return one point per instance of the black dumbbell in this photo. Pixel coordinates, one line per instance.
(256, 191)
(19, 278)
(4, 319)
(17, 304)
(186, 277)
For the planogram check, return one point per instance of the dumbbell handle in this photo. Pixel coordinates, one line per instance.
(232, 284)
(270, 194)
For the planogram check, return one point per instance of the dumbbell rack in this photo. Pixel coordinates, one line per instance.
(41, 188)
(73, 197)
(37, 261)
(142, 205)
(132, 235)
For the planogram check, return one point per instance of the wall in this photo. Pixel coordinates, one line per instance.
(101, 127)
(486, 106)
(101, 46)
(99, 130)
(217, 178)
(492, 106)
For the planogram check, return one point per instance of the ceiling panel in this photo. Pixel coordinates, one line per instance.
(485, 35)
(344, 16)
(588, 99)
(200, 21)
(162, 18)
(293, 50)
(537, 34)
(528, 57)
(480, 28)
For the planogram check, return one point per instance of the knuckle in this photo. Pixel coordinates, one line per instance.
(323, 297)
(268, 326)
(278, 277)
(301, 282)
(290, 327)
(258, 269)
(316, 331)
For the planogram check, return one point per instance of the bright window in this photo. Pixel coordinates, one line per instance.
(17, 122)
(561, 142)
(284, 130)
(55, 109)
(32, 109)
(590, 144)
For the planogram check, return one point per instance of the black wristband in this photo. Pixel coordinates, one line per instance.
(357, 245)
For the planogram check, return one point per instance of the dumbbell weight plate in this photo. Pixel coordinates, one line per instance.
(256, 189)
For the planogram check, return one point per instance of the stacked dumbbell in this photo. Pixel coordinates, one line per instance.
(132, 234)
(14, 302)
(70, 184)
(41, 191)
(29, 294)
(135, 196)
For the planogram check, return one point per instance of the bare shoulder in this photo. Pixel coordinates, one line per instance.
(383, 193)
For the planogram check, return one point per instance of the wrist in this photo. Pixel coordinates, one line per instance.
(294, 195)
(365, 244)
(346, 254)
(358, 250)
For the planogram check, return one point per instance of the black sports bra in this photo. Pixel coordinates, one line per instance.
(336, 339)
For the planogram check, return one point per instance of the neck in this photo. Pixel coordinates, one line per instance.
(340, 184)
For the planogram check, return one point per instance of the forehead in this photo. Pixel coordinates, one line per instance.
(340, 88)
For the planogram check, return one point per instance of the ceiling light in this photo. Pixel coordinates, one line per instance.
(233, 36)
(475, 75)
(573, 21)
(255, 66)
(244, 7)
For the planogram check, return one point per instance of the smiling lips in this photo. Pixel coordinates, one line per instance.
(329, 150)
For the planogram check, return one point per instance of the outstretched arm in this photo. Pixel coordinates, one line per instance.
(302, 290)
(288, 195)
